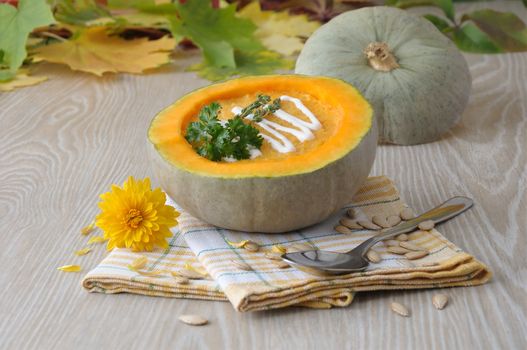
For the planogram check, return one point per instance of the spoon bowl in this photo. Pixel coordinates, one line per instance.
(328, 262)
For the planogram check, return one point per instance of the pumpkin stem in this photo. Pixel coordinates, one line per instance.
(380, 57)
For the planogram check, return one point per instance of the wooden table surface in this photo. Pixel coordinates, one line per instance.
(63, 142)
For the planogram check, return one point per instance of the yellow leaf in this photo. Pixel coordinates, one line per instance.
(88, 229)
(34, 41)
(97, 239)
(83, 251)
(101, 21)
(21, 79)
(93, 50)
(279, 31)
(138, 263)
(69, 268)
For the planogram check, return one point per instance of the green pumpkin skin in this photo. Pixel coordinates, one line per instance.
(414, 103)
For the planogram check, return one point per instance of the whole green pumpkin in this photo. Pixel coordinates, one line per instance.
(415, 78)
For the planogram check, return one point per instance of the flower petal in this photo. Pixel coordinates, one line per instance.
(83, 251)
(88, 229)
(69, 268)
(97, 239)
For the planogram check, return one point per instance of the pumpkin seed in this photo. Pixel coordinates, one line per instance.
(343, 229)
(368, 225)
(239, 244)
(272, 256)
(411, 246)
(440, 301)
(280, 249)
(402, 237)
(426, 225)
(351, 213)
(193, 320)
(251, 246)
(391, 242)
(138, 263)
(416, 255)
(380, 220)
(300, 247)
(198, 270)
(281, 264)
(400, 309)
(180, 279)
(193, 275)
(373, 256)
(397, 250)
(393, 220)
(241, 265)
(153, 273)
(350, 223)
(246, 244)
(407, 214)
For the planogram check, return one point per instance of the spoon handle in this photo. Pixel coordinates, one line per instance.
(452, 207)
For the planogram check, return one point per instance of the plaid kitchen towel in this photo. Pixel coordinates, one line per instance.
(199, 246)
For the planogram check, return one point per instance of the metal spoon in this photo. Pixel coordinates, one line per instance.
(339, 263)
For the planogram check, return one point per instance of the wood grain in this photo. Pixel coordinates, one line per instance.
(64, 141)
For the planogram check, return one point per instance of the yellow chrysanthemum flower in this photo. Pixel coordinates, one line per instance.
(135, 216)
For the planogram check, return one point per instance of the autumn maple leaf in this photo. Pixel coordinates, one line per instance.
(21, 79)
(94, 51)
(279, 31)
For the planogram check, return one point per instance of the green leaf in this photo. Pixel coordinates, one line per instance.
(203, 133)
(218, 32)
(78, 12)
(130, 3)
(247, 63)
(6, 75)
(241, 136)
(15, 26)
(469, 38)
(440, 23)
(228, 43)
(445, 5)
(505, 29)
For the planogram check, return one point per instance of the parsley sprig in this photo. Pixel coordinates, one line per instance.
(215, 141)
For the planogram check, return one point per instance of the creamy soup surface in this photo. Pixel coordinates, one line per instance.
(294, 136)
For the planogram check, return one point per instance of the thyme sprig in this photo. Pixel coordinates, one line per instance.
(260, 108)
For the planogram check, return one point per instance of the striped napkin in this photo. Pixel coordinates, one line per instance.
(199, 246)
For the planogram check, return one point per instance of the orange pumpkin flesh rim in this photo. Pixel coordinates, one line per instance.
(354, 119)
